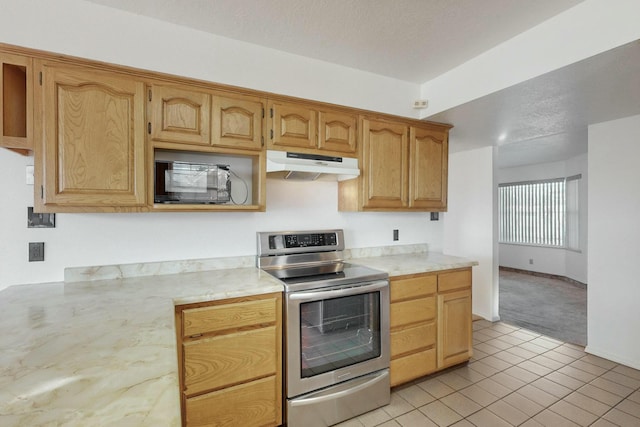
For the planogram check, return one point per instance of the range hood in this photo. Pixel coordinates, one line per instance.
(309, 167)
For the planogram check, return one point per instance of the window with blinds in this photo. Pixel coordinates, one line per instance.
(541, 213)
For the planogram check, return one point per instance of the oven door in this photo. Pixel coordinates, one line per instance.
(336, 334)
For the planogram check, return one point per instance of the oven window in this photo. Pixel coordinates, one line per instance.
(339, 332)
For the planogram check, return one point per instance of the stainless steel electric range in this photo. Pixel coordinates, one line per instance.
(336, 327)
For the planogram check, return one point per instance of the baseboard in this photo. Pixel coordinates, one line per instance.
(545, 275)
(612, 357)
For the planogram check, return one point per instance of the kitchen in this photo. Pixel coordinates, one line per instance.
(154, 237)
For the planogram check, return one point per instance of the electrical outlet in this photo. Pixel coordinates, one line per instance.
(531, 261)
(435, 216)
(396, 235)
(36, 251)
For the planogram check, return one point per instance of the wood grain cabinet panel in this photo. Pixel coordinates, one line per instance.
(180, 115)
(337, 132)
(245, 405)
(197, 321)
(385, 164)
(93, 144)
(16, 99)
(293, 125)
(454, 328)
(238, 122)
(216, 362)
(429, 168)
(230, 361)
(412, 366)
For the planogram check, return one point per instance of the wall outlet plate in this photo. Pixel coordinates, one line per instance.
(36, 251)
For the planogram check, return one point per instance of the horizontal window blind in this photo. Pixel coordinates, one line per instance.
(533, 212)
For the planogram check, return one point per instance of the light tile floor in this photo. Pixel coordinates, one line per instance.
(516, 378)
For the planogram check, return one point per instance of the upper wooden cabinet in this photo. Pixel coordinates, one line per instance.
(312, 130)
(403, 165)
(429, 165)
(180, 115)
(292, 125)
(385, 164)
(198, 117)
(92, 152)
(16, 96)
(238, 121)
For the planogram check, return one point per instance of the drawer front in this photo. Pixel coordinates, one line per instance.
(412, 311)
(216, 362)
(228, 316)
(454, 280)
(407, 368)
(413, 338)
(402, 289)
(246, 405)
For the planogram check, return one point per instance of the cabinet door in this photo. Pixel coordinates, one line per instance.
(238, 122)
(93, 138)
(429, 157)
(385, 167)
(337, 132)
(16, 109)
(180, 115)
(293, 125)
(454, 328)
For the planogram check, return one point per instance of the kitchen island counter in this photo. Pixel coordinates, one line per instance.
(103, 352)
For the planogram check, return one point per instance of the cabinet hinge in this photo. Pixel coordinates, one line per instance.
(40, 77)
(149, 128)
(262, 141)
(271, 112)
(149, 95)
(263, 113)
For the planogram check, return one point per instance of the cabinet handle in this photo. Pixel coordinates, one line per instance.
(149, 128)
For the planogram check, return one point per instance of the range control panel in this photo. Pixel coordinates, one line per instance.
(303, 240)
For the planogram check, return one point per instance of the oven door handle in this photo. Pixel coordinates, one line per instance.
(319, 294)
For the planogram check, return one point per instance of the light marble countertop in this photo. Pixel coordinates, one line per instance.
(102, 351)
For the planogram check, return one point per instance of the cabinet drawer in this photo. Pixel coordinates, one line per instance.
(413, 366)
(454, 280)
(245, 405)
(412, 311)
(412, 338)
(216, 362)
(228, 316)
(410, 288)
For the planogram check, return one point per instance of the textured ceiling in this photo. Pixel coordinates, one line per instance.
(543, 120)
(411, 40)
(546, 118)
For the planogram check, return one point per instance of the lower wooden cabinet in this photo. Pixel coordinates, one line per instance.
(455, 332)
(430, 321)
(230, 358)
(413, 327)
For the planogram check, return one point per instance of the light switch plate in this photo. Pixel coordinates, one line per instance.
(29, 174)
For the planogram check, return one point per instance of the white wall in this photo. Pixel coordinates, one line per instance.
(87, 30)
(102, 239)
(614, 205)
(470, 223)
(561, 262)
